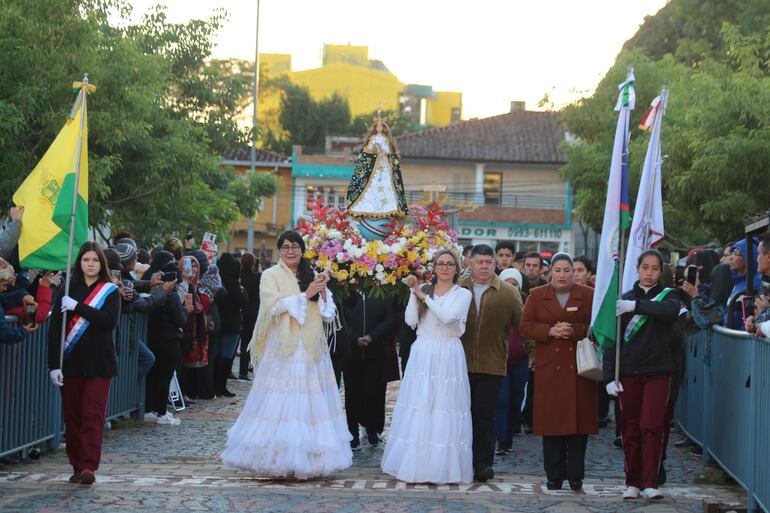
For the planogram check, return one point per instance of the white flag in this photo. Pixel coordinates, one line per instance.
(647, 222)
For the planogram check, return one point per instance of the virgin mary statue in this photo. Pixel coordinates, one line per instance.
(377, 189)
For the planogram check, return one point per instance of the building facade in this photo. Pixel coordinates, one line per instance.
(367, 84)
(501, 174)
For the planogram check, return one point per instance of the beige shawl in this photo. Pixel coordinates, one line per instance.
(280, 282)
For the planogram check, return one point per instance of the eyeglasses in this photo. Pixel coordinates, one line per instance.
(286, 248)
(445, 265)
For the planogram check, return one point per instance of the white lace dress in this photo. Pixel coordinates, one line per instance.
(292, 421)
(431, 435)
(380, 193)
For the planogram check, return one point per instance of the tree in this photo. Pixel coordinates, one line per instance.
(249, 191)
(156, 122)
(716, 132)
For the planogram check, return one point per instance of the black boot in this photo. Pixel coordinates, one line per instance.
(223, 366)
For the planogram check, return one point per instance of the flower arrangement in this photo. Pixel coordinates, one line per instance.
(334, 245)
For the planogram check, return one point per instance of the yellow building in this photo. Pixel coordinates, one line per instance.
(366, 83)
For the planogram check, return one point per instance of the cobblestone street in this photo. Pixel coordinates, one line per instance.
(149, 467)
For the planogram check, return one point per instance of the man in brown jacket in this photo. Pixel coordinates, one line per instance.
(495, 307)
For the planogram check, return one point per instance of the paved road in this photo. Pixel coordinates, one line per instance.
(152, 468)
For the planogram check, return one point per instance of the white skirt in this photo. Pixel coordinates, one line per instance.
(292, 421)
(431, 435)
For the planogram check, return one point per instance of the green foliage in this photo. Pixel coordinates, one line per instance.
(714, 59)
(249, 190)
(158, 122)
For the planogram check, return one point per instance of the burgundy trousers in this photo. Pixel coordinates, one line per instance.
(643, 405)
(84, 403)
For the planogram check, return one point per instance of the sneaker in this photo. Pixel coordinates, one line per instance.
(632, 492)
(244, 378)
(618, 442)
(575, 484)
(168, 419)
(652, 494)
(374, 438)
(74, 478)
(151, 417)
(483, 474)
(355, 445)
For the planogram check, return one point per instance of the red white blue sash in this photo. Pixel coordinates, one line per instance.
(78, 325)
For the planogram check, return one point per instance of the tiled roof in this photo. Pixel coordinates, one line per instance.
(242, 153)
(525, 136)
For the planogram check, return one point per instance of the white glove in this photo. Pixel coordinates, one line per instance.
(67, 303)
(57, 378)
(624, 306)
(614, 388)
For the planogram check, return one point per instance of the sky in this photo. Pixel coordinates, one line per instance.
(493, 51)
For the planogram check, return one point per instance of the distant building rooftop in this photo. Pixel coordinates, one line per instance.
(522, 136)
(242, 153)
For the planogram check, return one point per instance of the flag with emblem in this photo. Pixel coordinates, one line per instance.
(48, 193)
(616, 221)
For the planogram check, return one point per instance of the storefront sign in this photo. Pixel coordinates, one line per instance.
(521, 233)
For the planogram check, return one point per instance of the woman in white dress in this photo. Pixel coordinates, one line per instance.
(431, 437)
(292, 423)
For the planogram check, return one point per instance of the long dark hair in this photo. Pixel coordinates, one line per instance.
(305, 274)
(247, 265)
(77, 270)
(430, 288)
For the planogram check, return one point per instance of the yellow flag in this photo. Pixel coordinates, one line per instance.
(47, 196)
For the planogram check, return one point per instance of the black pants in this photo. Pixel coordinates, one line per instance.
(364, 397)
(168, 356)
(243, 366)
(604, 402)
(526, 416)
(564, 457)
(484, 391)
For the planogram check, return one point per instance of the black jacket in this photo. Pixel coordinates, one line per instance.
(94, 354)
(648, 353)
(167, 321)
(365, 315)
(231, 298)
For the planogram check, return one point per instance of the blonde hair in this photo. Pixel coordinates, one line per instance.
(6, 271)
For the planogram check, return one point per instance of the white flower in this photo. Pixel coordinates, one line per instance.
(379, 268)
(380, 276)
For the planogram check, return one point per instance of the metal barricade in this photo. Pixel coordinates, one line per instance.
(30, 406)
(725, 406)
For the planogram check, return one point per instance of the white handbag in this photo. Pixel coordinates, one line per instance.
(588, 364)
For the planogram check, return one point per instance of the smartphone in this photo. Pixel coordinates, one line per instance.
(169, 276)
(691, 274)
(188, 300)
(190, 233)
(679, 276)
(747, 307)
(115, 275)
(31, 313)
(187, 264)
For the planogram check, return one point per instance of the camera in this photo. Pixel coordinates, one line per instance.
(169, 276)
(30, 314)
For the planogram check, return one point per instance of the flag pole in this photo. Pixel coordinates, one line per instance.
(82, 98)
(621, 253)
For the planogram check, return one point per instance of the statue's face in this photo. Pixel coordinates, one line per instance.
(378, 127)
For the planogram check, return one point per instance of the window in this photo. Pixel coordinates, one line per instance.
(455, 114)
(335, 196)
(493, 188)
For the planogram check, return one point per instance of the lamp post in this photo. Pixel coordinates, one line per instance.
(253, 163)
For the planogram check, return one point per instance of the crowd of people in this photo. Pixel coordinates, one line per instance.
(487, 348)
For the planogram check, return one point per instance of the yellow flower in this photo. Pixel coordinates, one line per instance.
(341, 275)
(310, 254)
(335, 266)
